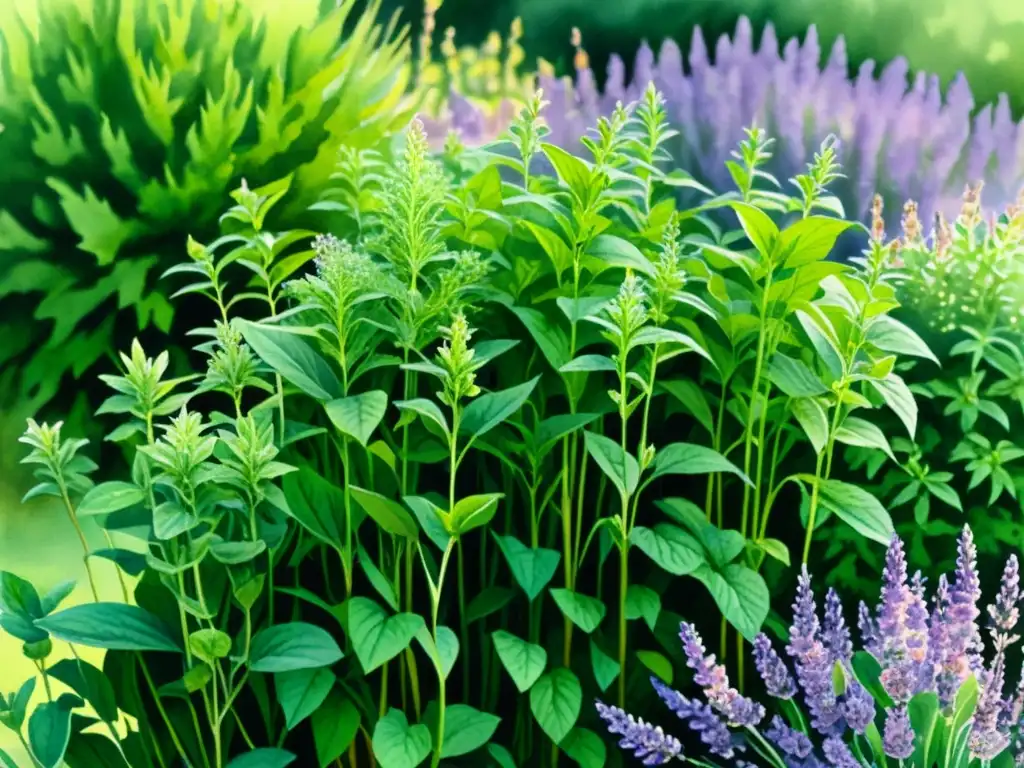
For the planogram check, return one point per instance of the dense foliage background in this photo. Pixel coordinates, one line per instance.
(658, 313)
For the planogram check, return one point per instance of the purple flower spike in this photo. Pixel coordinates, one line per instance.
(1004, 613)
(804, 632)
(858, 707)
(772, 669)
(954, 624)
(898, 737)
(838, 753)
(647, 742)
(700, 718)
(902, 629)
(712, 677)
(835, 633)
(791, 741)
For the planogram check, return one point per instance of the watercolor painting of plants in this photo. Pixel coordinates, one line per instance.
(503, 416)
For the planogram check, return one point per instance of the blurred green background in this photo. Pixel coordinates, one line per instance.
(941, 36)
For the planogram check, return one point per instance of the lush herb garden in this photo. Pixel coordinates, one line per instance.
(466, 441)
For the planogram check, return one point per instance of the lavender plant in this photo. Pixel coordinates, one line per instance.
(919, 692)
(901, 135)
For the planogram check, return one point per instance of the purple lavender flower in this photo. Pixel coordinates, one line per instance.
(700, 718)
(954, 623)
(647, 742)
(901, 135)
(791, 741)
(777, 679)
(868, 630)
(712, 677)
(838, 753)
(898, 736)
(858, 707)
(813, 662)
(835, 634)
(902, 629)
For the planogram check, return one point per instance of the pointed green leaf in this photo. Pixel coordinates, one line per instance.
(301, 692)
(358, 415)
(582, 610)
(488, 411)
(396, 744)
(669, 546)
(533, 569)
(293, 646)
(524, 661)
(620, 467)
(113, 626)
(555, 700)
(291, 356)
(376, 636)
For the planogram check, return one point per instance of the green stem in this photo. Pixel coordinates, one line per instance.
(748, 438)
(160, 709)
(463, 625)
(813, 511)
(28, 750)
(441, 696)
(348, 560)
(81, 538)
(623, 589)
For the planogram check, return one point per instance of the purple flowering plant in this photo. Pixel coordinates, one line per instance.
(923, 688)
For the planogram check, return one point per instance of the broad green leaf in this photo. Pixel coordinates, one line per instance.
(810, 239)
(49, 730)
(794, 378)
(605, 668)
(293, 646)
(335, 724)
(318, 505)
(812, 419)
(585, 747)
(19, 597)
(376, 636)
(856, 507)
(822, 341)
(171, 519)
(761, 231)
(444, 652)
(924, 713)
(582, 610)
(670, 547)
(466, 730)
(110, 497)
(775, 549)
(92, 750)
(358, 415)
(643, 602)
(690, 459)
(292, 357)
(586, 363)
(741, 595)
(237, 552)
(474, 512)
(553, 428)
(487, 411)
(620, 467)
(301, 692)
(388, 514)
(856, 431)
(574, 172)
(890, 335)
(617, 252)
(88, 682)
(113, 626)
(658, 664)
(265, 757)
(396, 744)
(503, 758)
(431, 519)
(554, 246)
(132, 563)
(691, 397)
(552, 340)
(899, 398)
(488, 601)
(428, 409)
(209, 644)
(533, 569)
(523, 661)
(555, 700)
